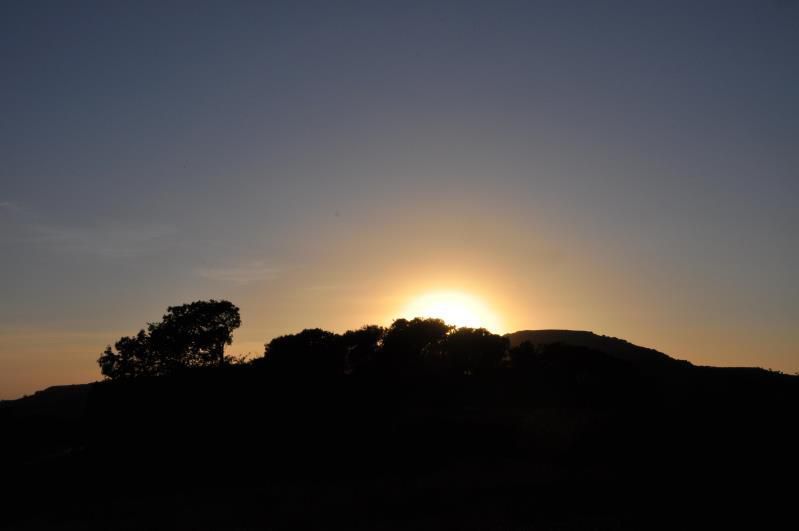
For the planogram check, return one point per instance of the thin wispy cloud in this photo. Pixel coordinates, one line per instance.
(104, 240)
(10, 208)
(245, 273)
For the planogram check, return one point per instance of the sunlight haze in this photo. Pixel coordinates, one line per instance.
(621, 167)
(454, 308)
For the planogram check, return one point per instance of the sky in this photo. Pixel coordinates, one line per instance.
(630, 168)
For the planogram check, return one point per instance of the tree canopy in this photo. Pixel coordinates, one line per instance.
(312, 350)
(189, 335)
(194, 335)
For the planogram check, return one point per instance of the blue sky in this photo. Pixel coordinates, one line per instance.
(624, 167)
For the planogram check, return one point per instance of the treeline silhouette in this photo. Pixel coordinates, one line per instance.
(194, 336)
(418, 424)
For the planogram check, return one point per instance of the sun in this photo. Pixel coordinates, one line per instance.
(455, 308)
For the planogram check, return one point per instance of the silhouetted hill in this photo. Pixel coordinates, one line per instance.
(45, 426)
(579, 432)
(612, 346)
(66, 402)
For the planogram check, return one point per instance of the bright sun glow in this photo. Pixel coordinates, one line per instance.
(455, 308)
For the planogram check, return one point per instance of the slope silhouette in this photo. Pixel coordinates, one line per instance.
(571, 431)
(66, 402)
(612, 346)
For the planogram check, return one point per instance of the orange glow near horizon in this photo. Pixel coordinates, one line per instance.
(455, 308)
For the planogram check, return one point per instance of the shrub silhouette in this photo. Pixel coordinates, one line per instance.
(524, 356)
(190, 335)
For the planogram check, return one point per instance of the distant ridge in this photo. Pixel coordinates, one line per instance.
(611, 346)
(58, 401)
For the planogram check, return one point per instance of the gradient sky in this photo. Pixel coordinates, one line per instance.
(630, 168)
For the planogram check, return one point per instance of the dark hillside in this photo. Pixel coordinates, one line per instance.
(612, 346)
(66, 402)
(563, 437)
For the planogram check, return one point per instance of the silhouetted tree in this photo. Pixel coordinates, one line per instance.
(405, 342)
(361, 346)
(312, 350)
(466, 349)
(190, 335)
(132, 356)
(195, 334)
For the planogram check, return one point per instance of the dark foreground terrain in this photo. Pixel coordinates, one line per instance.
(578, 437)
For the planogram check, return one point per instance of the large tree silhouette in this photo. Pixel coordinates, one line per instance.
(466, 349)
(190, 335)
(311, 351)
(406, 343)
(362, 346)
